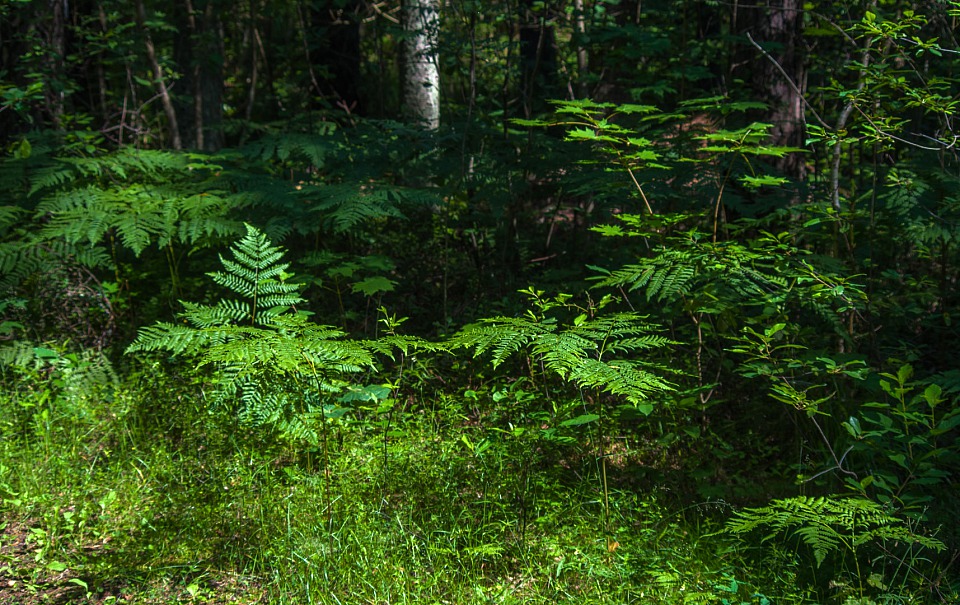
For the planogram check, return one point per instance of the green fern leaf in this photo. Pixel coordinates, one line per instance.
(345, 206)
(268, 358)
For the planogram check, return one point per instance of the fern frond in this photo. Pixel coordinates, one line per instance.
(9, 215)
(30, 255)
(17, 354)
(300, 427)
(86, 214)
(203, 216)
(253, 275)
(619, 377)
(828, 525)
(344, 206)
(639, 343)
(50, 177)
(820, 537)
(577, 354)
(123, 165)
(139, 226)
(266, 360)
(255, 259)
(88, 372)
(671, 282)
(238, 280)
(407, 345)
(177, 339)
(503, 335)
(78, 215)
(224, 313)
(291, 146)
(324, 348)
(563, 352)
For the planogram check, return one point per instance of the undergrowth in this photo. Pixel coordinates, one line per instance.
(150, 502)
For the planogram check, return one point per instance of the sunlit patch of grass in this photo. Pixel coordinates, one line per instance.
(183, 505)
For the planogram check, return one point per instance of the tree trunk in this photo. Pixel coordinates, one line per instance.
(780, 79)
(421, 73)
(583, 58)
(165, 98)
(57, 45)
(200, 58)
(212, 77)
(334, 50)
(253, 40)
(538, 57)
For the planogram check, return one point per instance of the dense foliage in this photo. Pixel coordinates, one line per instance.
(662, 311)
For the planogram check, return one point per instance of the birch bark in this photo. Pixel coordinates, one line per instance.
(421, 74)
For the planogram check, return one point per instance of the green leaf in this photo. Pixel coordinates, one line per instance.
(630, 108)
(579, 420)
(755, 182)
(933, 395)
(44, 353)
(947, 424)
(373, 285)
(900, 459)
(334, 412)
(852, 425)
(24, 149)
(372, 392)
(529, 123)
(609, 230)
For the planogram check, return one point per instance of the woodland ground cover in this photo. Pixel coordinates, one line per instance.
(652, 349)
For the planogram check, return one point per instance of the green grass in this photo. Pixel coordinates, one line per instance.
(142, 495)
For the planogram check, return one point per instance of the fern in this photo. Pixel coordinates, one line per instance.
(589, 353)
(76, 375)
(29, 255)
(828, 525)
(503, 335)
(9, 216)
(141, 197)
(257, 274)
(139, 215)
(286, 147)
(18, 354)
(125, 164)
(345, 206)
(727, 272)
(268, 357)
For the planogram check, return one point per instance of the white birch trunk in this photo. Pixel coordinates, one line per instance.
(421, 77)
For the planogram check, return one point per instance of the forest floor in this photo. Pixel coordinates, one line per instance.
(24, 581)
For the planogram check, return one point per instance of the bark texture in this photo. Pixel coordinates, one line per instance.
(780, 78)
(421, 75)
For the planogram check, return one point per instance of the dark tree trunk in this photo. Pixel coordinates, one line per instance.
(334, 51)
(57, 49)
(779, 77)
(538, 58)
(199, 55)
